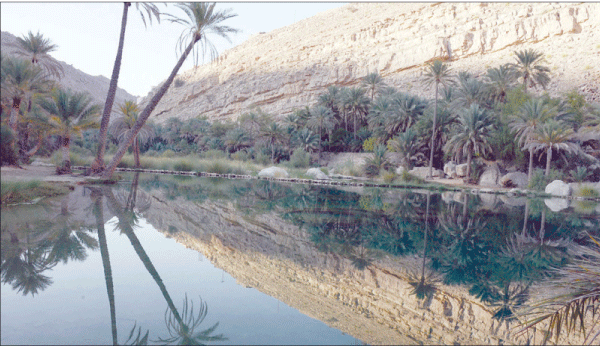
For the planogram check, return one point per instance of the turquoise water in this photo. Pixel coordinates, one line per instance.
(268, 263)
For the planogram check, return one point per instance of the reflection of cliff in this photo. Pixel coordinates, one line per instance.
(373, 305)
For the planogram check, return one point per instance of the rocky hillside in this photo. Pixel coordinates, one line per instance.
(289, 67)
(74, 79)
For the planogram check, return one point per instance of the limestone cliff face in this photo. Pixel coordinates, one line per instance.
(374, 305)
(289, 67)
(77, 80)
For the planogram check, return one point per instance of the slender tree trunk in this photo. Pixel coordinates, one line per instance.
(145, 114)
(430, 175)
(136, 152)
(548, 159)
(66, 153)
(98, 213)
(14, 116)
(526, 216)
(320, 144)
(98, 165)
(272, 152)
(425, 240)
(530, 173)
(543, 226)
(354, 128)
(469, 158)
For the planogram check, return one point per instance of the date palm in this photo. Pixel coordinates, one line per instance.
(532, 115)
(553, 135)
(499, 80)
(437, 73)
(529, 67)
(473, 130)
(320, 118)
(202, 20)
(307, 140)
(36, 48)
(120, 127)
(405, 110)
(70, 114)
(151, 11)
(356, 104)
(272, 134)
(373, 82)
(469, 91)
(408, 145)
(237, 139)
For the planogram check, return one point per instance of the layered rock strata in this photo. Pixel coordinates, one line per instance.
(289, 67)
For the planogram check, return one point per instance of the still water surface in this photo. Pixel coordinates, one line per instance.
(219, 261)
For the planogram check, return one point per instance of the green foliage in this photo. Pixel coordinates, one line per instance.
(213, 154)
(376, 162)
(168, 153)
(409, 178)
(369, 144)
(183, 165)
(8, 155)
(515, 99)
(389, 177)
(76, 159)
(580, 174)
(587, 191)
(539, 180)
(300, 158)
(19, 192)
(262, 158)
(477, 168)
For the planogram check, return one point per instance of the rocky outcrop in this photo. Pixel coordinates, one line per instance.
(76, 80)
(289, 67)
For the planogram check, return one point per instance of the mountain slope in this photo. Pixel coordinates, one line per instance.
(77, 80)
(289, 67)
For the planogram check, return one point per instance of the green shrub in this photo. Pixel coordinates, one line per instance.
(539, 180)
(324, 170)
(377, 162)
(262, 158)
(213, 154)
(183, 165)
(587, 191)
(241, 155)
(300, 158)
(389, 177)
(369, 144)
(8, 155)
(168, 153)
(409, 178)
(151, 153)
(580, 174)
(76, 159)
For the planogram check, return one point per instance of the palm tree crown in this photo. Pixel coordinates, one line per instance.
(529, 67)
(36, 48)
(552, 135)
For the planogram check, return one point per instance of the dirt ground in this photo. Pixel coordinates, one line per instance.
(37, 172)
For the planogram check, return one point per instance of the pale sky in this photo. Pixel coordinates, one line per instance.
(87, 34)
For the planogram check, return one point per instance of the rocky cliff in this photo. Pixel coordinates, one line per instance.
(289, 67)
(76, 80)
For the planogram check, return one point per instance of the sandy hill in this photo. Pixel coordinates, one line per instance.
(289, 67)
(74, 79)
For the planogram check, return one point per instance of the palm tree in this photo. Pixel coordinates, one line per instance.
(273, 134)
(373, 82)
(403, 113)
(469, 91)
(407, 144)
(529, 67)
(202, 20)
(331, 99)
(307, 140)
(237, 139)
(70, 113)
(499, 81)
(438, 72)
(592, 119)
(320, 117)
(356, 104)
(120, 127)
(552, 135)
(151, 11)
(472, 133)
(533, 114)
(36, 48)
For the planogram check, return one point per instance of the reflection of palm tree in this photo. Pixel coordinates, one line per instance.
(424, 287)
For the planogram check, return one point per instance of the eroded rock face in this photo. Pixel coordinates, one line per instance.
(558, 188)
(289, 67)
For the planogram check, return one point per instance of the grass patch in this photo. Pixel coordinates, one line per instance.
(23, 192)
(587, 192)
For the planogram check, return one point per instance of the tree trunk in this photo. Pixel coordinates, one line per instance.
(136, 152)
(98, 165)
(526, 216)
(530, 173)
(145, 114)
(430, 175)
(320, 145)
(37, 147)
(354, 127)
(469, 157)
(548, 159)
(272, 152)
(66, 154)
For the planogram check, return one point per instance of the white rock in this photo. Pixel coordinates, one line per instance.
(317, 174)
(490, 177)
(558, 188)
(461, 170)
(556, 204)
(400, 170)
(514, 179)
(450, 169)
(273, 172)
(422, 172)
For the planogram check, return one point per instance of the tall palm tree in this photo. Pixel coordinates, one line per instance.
(407, 144)
(320, 118)
(331, 99)
(469, 91)
(532, 115)
(473, 130)
(36, 48)
(237, 139)
(121, 126)
(437, 72)
(151, 11)
(202, 20)
(373, 82)
(552, 135)
(70, 113)
(529, 67)
(307, 140)
(499, 80)
(403, 113)
(356, 104)
(272, 134)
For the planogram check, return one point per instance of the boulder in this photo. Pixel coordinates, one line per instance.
(514, 179)
(273, 172)
(461, 170)
(556, 204)
(450, 169)
(490, 176)
(558, 188)
(400, 170)
(317, 174)
(422, 172)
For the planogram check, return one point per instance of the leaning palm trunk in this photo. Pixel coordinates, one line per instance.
(430, 174)
(98, 164)
(146, 112)
(136, 152)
